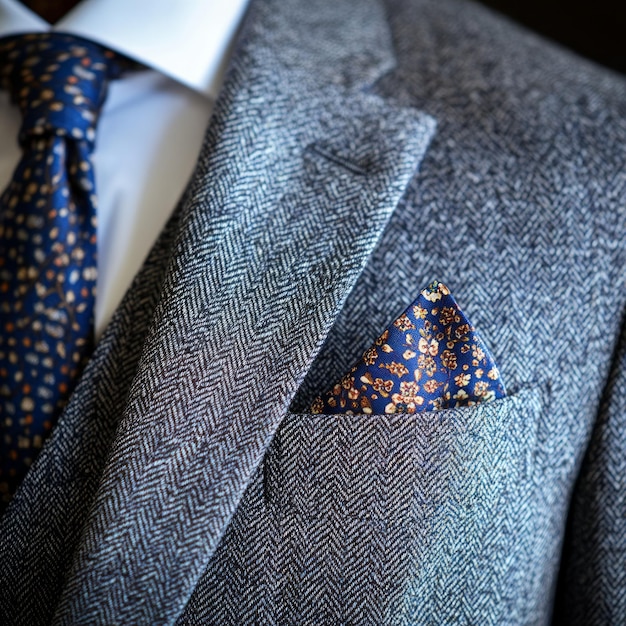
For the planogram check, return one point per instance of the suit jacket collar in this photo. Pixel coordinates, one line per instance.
(300, 171)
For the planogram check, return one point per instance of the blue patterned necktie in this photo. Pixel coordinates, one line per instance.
(47, 237)
(430, 358)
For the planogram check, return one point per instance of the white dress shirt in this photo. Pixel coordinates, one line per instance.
(152, 124)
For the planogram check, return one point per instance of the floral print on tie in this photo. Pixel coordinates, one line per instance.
(430, 358)
(47, 237)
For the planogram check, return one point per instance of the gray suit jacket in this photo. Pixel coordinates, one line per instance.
(185, 482)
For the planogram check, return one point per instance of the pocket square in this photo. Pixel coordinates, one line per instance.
(430, 358)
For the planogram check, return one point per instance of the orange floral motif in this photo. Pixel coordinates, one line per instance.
(428, 347)
(404, 323)
(441, 365)
(431, 385)
(366, 405)
(461, 395)
(383, 387)
(434, 294)
(317, 406)
(347, 381)
(477, 352)
(397, 369)
(427, 364)
(481, 388)
(462, 380)
(448, 358)
(370, 356)
(493, 373)
(407, 400)
(367, 378)
(448, 315)
(462, 330)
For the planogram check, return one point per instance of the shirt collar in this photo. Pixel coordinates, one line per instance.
(190, 44)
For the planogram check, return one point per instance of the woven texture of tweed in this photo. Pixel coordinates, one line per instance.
(185, 482)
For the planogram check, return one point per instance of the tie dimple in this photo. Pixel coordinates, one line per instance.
(59, 83)
(47, 237)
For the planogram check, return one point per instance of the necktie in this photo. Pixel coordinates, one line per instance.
(47, 237)
(430, 358)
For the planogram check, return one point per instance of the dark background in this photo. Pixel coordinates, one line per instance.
(595, 29)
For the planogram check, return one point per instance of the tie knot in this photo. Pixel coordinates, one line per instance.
(58, 81)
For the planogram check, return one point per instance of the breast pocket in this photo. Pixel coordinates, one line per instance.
(415, 519)
(385, 519)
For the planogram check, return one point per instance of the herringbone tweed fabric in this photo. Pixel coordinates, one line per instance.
(181, 487)
(593, 587)
(299, 173)
(520, 207)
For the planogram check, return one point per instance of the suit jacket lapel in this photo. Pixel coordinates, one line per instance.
(300, 171)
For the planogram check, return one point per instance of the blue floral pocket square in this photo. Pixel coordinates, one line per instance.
(430, 358)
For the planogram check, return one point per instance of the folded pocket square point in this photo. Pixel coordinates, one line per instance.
(429, 358)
